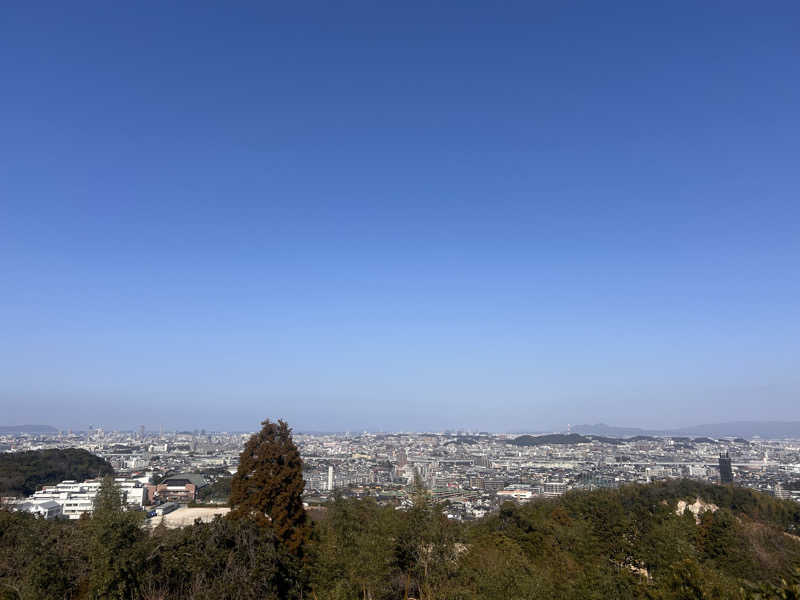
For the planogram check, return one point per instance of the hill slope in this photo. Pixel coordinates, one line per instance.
(743, 429)
(629, 543)
(21, 473)
(549, 439)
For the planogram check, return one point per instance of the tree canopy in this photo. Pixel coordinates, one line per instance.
(268, 486)
(22, 473)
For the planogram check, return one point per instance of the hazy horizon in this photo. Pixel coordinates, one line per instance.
(301, 426)
(569, 428)
(502, 219)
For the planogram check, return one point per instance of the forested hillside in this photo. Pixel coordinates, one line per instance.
(22, 473)
(626, 543)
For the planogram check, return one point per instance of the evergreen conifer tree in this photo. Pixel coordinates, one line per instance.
(268, 486)
(114, 551)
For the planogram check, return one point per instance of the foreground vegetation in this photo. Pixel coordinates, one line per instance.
(625, 543)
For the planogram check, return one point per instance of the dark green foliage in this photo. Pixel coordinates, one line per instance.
(495, 566)
(115, 554)
(690, 580)
(425, 550)
(626, 543)
(787, 589)
(111, 557)
(217, 492)
(356, 551)
(225, 559)
(22, 473)
(41, 559)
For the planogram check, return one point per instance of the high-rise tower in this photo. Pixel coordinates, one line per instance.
(725, 470)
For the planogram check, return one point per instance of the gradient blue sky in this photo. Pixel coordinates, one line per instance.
(498, 216)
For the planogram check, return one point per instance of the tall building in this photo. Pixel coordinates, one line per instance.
(330, 477)
(725, 470)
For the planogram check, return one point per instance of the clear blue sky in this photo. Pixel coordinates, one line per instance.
(500, 216)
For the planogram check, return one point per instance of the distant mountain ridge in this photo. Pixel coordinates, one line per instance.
(27, 429)
(742, 429)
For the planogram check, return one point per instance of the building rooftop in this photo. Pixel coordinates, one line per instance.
(195, 479)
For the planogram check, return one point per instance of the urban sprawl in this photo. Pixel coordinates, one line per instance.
(166, 473)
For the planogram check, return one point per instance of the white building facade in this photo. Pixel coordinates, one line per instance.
(77, 498)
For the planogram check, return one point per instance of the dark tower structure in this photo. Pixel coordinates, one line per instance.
(725, 470)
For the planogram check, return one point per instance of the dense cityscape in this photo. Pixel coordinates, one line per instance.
(470, 473)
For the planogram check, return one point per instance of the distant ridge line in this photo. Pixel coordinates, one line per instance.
(28, 429)
(743, 429)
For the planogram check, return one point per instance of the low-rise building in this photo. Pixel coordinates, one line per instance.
(47, 509)
(520, 493)
(176, 488)
(71, 499)
(554, 488)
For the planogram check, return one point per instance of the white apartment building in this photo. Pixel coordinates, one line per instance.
(47, 509)
(77, 498)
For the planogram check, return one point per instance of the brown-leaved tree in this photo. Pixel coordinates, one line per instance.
(268, 486)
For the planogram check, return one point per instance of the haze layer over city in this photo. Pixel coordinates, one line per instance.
(504, 221)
